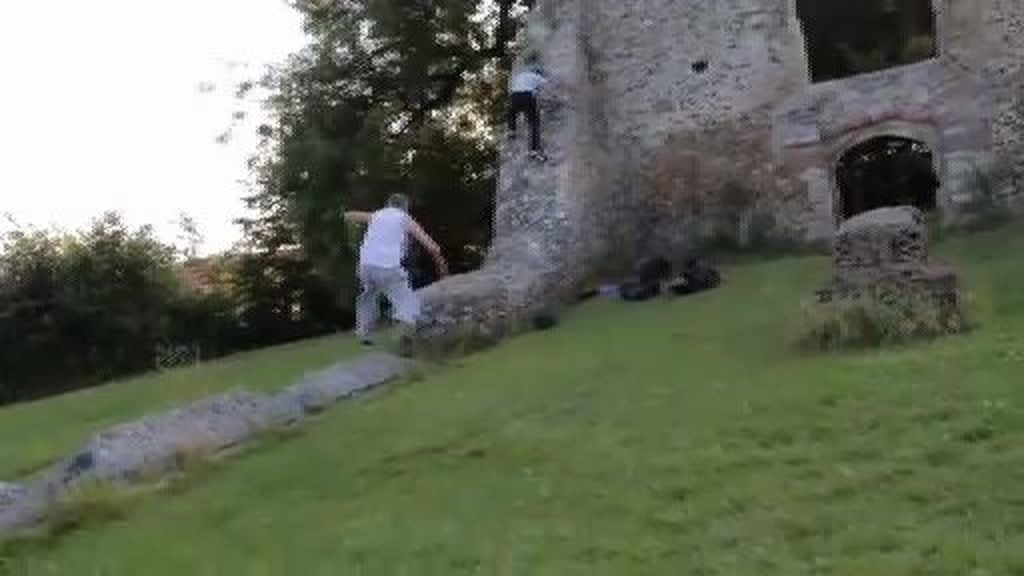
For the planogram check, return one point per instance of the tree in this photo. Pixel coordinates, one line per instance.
(390, 95)
(77, 309)
(189, 235)
(10, 220)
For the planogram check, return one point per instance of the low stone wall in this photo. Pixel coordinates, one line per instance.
(154, 446)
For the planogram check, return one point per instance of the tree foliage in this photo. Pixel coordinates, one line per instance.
(77, 309)
(389, 96)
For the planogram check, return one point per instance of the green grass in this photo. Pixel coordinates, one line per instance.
(679, 437)
(37, 433)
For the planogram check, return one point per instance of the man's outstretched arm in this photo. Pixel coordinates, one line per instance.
(357, 217)
(428, 243)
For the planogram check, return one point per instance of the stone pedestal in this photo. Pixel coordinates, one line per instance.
(883, 255)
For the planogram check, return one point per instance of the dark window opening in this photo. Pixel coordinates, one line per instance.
(886, 171)
(848, 38)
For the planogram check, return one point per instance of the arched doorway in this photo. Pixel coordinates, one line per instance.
(886, 171)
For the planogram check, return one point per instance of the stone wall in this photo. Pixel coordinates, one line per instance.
(684, 83)
(934, 102)
(1004, 74)
(545, 224)
(670, 66)
(702, 96)
(674, 120)
(700, 188)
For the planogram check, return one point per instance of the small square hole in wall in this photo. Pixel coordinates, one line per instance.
(700, 66)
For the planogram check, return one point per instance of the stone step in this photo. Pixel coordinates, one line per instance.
(154, 446)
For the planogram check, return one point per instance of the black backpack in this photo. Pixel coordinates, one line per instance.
(639, 291)
(696, 277)
(653, 270)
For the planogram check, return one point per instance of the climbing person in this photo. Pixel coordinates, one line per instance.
(380, 268)
(523, 100)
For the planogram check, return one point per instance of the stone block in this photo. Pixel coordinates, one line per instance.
(21, 507)
(882, 239)
(882, 255)
(10, 493)
(154, 445)
(318, 391)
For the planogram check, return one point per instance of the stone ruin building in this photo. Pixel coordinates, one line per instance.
(675, 120)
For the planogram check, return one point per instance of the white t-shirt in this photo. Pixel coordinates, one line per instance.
(385, 240)
(527, 81)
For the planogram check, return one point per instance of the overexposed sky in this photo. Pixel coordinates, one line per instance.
(100, 108)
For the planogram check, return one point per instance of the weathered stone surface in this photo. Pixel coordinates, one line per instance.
(9, 493)
(883, 255)
(153, 445)
(26, 505)
(484, 305)
(884, 238)
(156, 445)
(544, 241)
(318, 391)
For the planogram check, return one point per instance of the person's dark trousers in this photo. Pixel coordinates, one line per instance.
(525, 103)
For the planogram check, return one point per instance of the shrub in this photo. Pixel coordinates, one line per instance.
(78, 309)
(876, 319)
(990, 208)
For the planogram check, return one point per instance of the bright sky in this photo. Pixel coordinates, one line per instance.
(100, 109)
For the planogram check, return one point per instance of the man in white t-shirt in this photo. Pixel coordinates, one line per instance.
(380, 265)
(523, 100)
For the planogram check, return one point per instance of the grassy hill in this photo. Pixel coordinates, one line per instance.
(684, 436)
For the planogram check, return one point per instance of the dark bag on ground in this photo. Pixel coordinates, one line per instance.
(697, 277)
(544, 321)
(653, 270)
(639, 291)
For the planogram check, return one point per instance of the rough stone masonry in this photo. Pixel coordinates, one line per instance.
(666, 108)
(883, 255)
